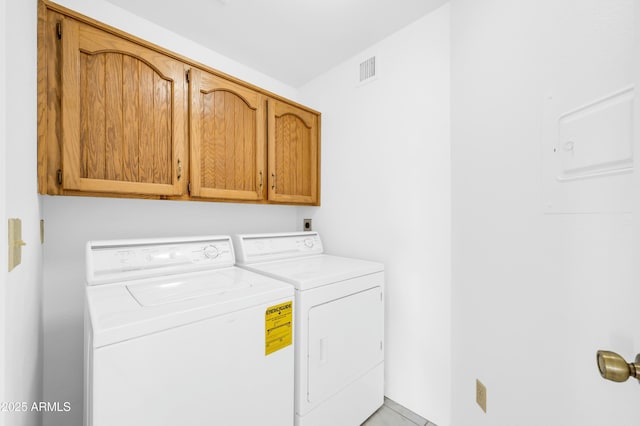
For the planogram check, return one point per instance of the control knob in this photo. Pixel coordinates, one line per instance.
(211, 251)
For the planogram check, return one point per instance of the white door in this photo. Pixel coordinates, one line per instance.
(621, 294)
(537, 295)
(601, 238)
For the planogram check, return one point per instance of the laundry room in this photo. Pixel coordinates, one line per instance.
(434, 167)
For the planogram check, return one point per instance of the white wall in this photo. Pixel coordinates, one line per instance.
(531, 292)
(72, 221)
(3, 201)
(386, 197)
(23, 345)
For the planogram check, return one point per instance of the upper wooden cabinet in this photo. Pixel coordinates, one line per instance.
(227, 137)
(123, 118)
(293, 154)
(118, 116)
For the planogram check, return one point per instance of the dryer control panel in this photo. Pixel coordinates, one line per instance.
(123, 260)
(266, 247)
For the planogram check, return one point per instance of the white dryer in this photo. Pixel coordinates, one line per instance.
(339, 325)
(176, 335)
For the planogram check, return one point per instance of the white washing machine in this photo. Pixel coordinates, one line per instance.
(176, 335)
(339, 325)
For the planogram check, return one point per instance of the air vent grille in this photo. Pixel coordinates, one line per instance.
(368, 69)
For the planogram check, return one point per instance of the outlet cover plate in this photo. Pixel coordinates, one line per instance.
(481, 395)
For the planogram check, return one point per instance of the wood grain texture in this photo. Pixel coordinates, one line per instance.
(43, 101)
(124, 141)
(226, 139)
(93, 116)
(145, 142)
(127, 130)
(162, 126)
(214, 165)
(70, 100)
(293, 154)
(114, 116)
(49, 73)
(131, 108)
(249, 148)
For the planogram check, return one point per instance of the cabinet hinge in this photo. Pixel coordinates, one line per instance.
(59, 177)
(59, 30)
(189, 188)
(187, 75)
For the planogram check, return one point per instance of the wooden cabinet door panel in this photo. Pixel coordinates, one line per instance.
(293, 154)
(123, 121)
(227, 138)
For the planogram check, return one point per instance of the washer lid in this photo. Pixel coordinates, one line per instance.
(178, 287)
(122, 311)
(315, 271)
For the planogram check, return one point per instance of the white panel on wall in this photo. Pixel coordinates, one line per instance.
(595, 140)
(588, 156)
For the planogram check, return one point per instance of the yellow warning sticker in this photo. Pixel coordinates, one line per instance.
(278, 327)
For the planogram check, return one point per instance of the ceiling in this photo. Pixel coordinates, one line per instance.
(290, 40)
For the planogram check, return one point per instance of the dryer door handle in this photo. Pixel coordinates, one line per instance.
(324, 349)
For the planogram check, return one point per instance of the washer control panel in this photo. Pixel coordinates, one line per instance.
(110, 261)
(265, 247)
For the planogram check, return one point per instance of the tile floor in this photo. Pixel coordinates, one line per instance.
(394, 414)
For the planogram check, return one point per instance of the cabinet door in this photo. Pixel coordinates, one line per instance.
(123, 115)
(227, 138)
(294, 154)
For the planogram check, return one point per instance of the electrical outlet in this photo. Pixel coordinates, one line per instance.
(306, 225)
(481, 395)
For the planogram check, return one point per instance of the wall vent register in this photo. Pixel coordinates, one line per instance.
(368, 69)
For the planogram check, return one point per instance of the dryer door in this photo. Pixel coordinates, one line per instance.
(345, 341)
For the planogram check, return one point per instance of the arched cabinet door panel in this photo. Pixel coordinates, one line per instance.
(294, 154)
(123, 115)
(227, 138)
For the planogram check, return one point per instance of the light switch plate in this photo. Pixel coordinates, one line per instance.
(15, 243)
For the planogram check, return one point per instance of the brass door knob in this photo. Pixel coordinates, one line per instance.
(613, 367)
